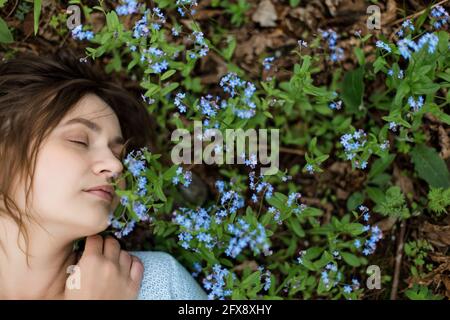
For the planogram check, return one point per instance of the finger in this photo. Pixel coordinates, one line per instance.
(125, 262)
(94, 245)
(137, 270)
(111, 248)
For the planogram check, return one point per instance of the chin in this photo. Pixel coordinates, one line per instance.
(95, 223)
(93, 230)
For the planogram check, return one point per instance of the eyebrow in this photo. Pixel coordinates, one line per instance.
(94, 127)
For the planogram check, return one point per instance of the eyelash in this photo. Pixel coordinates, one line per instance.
(85, 144)
(79, 142)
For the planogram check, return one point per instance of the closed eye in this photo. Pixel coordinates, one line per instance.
(119, 157)
(79, 142)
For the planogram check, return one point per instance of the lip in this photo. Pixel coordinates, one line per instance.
(101, 194)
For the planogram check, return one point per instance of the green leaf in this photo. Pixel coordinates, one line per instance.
(379, 64)
(381, 180)
(132, 64)
(402, 91)
(99, 8)
(380, 165)
(353, 89)
(419, 292)
(268, 114)
(112, 20)
(354, 229)
(309, 265)
(351, 259)
(322, 158)
(278, 200)
(208, 255)
(170, 173)
(312, 253)
(444, 76)
(394, 204)
(434, 109)
(355, 200)
(430, 167)
(167, 74)
(151, 88)
(425, 87)
(439, 200)
(296, 227)
(37, 14)
(169, 88)
(251, 279)
(324, 260)
(5, 34)
(158, 191)
(228, 51)
(366, 37)
(375, 194)
(359, 53)
(443, 41)
(422, 18)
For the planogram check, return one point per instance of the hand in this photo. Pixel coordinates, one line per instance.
(104, 271)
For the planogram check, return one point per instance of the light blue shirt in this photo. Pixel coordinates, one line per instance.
(166, 279)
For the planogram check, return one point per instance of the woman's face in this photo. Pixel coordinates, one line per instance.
(77, 156)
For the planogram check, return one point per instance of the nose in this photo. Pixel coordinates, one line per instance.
(107, 164)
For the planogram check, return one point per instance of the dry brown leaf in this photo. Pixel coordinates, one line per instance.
(350, 12)
(355, 6)
(258, 43)
(207, 14)
(332, 6)
(446, 281)
(444, 142)
(28, 25)
(437, 235)
(310, 15)
(440, 258)
(437, 276)
(386, 224)
(265, 14)
(247, 264)
(342, 194)
(391, 12)
(339, 167)
(404, 182)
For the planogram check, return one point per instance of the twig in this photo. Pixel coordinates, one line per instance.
(65, 39)
(409, 17)
(417, 13)
(293, 151)
(398, 260)
(14, 8)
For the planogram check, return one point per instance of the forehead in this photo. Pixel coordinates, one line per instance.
(93, 108)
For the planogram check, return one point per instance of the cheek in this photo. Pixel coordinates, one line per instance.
(57, 195)
(57, 176)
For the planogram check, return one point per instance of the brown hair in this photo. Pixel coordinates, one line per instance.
(35, 94)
